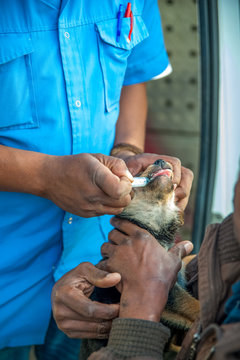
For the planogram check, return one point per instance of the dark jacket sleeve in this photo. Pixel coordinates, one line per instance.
(134, 339)
(192, 276)
(228, 345)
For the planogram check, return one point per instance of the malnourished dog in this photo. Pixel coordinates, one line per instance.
(153, 208)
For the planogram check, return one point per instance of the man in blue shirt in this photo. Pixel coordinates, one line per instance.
(62, 73)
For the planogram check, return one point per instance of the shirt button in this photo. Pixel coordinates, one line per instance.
(67, 35)
(70, 220)
(78, 103)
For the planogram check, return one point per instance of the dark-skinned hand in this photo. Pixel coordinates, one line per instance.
(147, 270)
(88, 184)
(77, 315)
(183, 177)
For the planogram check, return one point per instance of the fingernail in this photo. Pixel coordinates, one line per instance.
(129, 175)
(188, 247)
(113, 275)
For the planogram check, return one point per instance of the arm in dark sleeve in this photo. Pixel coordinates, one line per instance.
(134, 339)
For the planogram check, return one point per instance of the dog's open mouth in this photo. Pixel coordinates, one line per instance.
(161, 172)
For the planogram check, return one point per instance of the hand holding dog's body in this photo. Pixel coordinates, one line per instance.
(145, 284)
(74, 312)
(83, 326)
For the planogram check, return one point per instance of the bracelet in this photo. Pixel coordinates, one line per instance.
(125, 147)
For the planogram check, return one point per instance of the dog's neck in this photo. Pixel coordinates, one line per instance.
(160, 219)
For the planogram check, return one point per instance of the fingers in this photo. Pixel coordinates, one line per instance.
(108, 203)
(125, 227)
(116, 237)
(176, 163)
(111, 184)
(86, 335)
(104, 210)
(183, 177)
(74, 312)
(98, 277)
(95, 188)
(140, 162)
(74, 288)
(87, 308)
(85, 329)
(113, 177)
(117, 166)
(107, 250)
(182, 192)
(182, 249)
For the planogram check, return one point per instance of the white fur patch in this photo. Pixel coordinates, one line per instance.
(155, 215)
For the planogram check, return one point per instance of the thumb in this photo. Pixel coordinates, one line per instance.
(113, 177)
(182, 249)
(100, 278)
(117, 166)
(108, 279)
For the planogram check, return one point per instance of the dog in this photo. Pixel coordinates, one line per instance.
(153, 208)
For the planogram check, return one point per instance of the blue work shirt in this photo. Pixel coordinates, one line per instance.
(61, 74)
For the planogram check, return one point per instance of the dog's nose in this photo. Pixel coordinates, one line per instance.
(160, 162)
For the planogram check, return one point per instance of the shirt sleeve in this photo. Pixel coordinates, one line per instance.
(149, 59)
(134, 339)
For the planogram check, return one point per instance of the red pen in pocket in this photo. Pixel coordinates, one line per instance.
(129, 13)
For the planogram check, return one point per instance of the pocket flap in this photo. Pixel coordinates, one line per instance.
(13, 46)
(108, 32)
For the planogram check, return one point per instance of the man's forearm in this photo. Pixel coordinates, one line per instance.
(84, 184)
(21, 171)
(131, 124)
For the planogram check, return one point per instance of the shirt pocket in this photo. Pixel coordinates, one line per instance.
(114, 54)
(17, 98)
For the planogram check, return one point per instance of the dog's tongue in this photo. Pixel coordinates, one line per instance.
(166, 172)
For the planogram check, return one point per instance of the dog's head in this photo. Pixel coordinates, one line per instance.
(153, 206)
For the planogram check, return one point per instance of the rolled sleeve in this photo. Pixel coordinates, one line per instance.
(148, 59)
